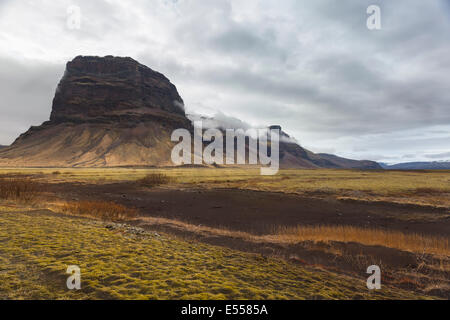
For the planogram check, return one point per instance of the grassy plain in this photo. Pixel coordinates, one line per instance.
(416, 187)
(36, 249)
(36, 246)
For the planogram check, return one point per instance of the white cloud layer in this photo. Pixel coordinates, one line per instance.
(311, 66)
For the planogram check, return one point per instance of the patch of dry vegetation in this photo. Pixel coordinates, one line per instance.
(412, 242)
(19, 189)
(100, 210)
(154, 179)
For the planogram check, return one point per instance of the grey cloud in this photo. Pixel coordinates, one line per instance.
(311, 66)
(219, 120)
(242, 41)
(438, 155)
(27, 91)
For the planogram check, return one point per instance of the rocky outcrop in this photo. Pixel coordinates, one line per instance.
(98, 89)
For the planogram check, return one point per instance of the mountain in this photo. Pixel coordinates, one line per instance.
(114, 111)
(340, 162)
(435, 165)
(292, 155)
(107, 111)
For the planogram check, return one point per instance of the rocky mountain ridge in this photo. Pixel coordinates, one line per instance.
(113, 111)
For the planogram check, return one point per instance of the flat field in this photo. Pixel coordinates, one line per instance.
(200, 233)
(421, 187)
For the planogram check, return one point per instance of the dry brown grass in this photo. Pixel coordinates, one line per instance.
(416, 243)
(100, 209)
(154, 180)
(19, 189)
(392, 239)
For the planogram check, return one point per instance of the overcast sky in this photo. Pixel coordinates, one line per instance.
(312, 67)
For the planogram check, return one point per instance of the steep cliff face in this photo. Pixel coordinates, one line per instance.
(94, 88)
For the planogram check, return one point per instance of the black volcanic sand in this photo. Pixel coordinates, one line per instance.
(260, 212)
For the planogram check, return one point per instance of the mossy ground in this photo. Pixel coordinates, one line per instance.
(36, 248)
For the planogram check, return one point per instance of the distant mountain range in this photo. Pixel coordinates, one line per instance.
(435, 165)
